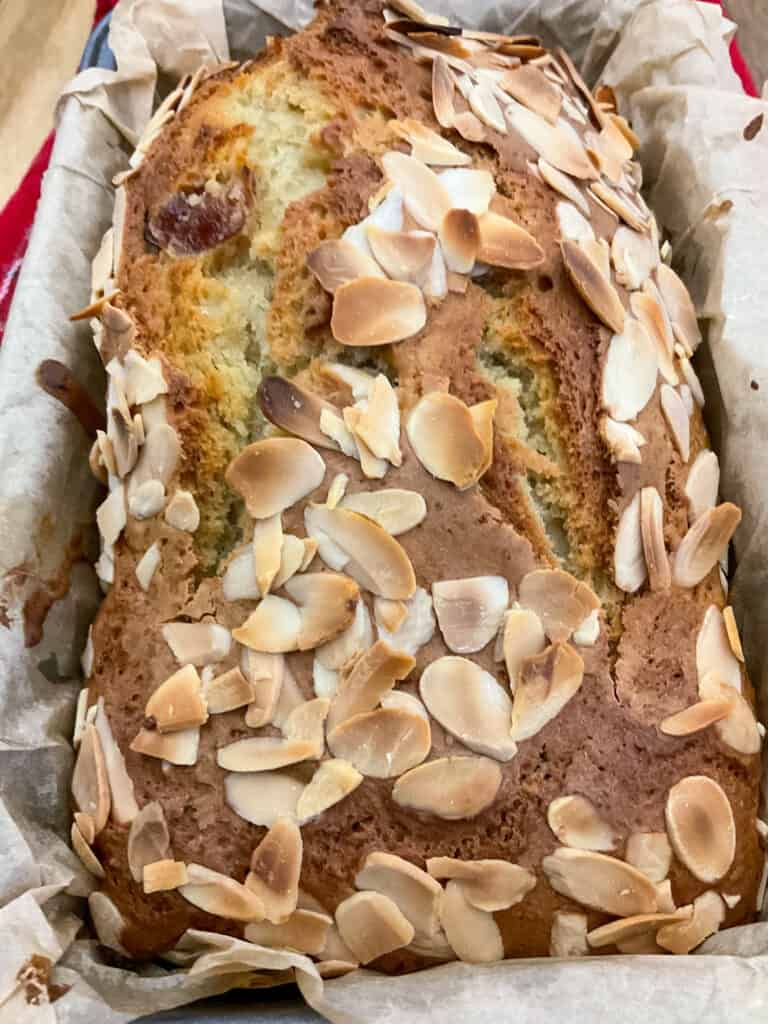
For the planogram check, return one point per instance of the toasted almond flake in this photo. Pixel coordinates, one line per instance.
(629, 566)
(597, 250)
(443, 436)
(621, 205)
(473, 934)
(560, 601)
(412, 890)
(452, 788)
(267, 545)
(371, 925)
(90, 785)
(197, 643)
(704, 543)
(147, 565)
(178, 702)
(523, 636)
(163, 875)
(596, 289)
(652, 536)
(382, 743)
(470, 611)
(695, 718)
(372, 467)
(158, 458)
(558, 147)
(296, 410)
(147, 500)
(571, 224)
(713, 651)
(325, 681)
(81, 710)
(305, 723)
(217, 894)
(273, 474)
(469, 127)
(94, 308)
(483, 414)
(102, 458)
(275, 870)
(263, 797)
(87, 857)
(701, 827)
(418, 627)
(634, 257)
(263, 753)
(305, 931)
(310, 550)
(404, 255)
(489, 885)
(568, 936)
(691, 379)
(87, 828)
(622, 439)
(377, 560)
(435, 284)
(469, 704)
(677, 419)
(378, 425)
(530, 86)
(732, 630)
(665, 902)
(389, 614)
(227, 691)
(468, 189)
(332, 782)
(635, 926)
(576, 823)
(679, 307)
(144, 379)
(731, 899)
(629, 372)
(702, 484)
(266, 674)
(111, 515)
(547, 682)
(738, 729)
(377, 311)
(292, 554)
(337, 261)
(239, 580)
(428, 146)
(274, 626)
(328, 969)
(460, 240)
(601, 882)
(485, 106)
(566, 186)
(107, 920)
(177, 747)
(443, 89)
(124, 807)
(424, 197)
(148, 839)
(506, 244)
(336, 491)
(650, 313)
(704, 918)
(356, 638)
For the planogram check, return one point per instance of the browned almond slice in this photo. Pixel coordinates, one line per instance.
(87, 828)
(263, 753)
(691, 378)
(424, 197)
(332, 782)
(292, 556)
(328, 969)
(523, 637)
(506, 244)
(418, 627)
(576, 823)
(358, 637)
(652, 536)
(601, 882)
(677, 419)
(650, 314)
(366, 680)
(275, 870)
(372, 925)
(621, 205)
(704, 543)
(404, 255)
(227, 691)
(568, 936)
(470, 611)
(483, 414)
(412, 890)
(534, 90)
(729, 618)
(163, 875)
(450, 787)
(382, 743)
(429, 147)
(177, 747)
(305, 931)
(597, 250)
(90, 784)
(707, 914)
(558, 147)
(484, 105)
(327, 603)
(182, 512)
(444, 438)
(274, 626)
(144, 379)
(634, 257)
(178, 702)
(489, 885)
(469, 704)
(596, 289)
(295, 410)
(372, 467)
(473, 934)
(629, 567)
(94, 309)
(443, 89)
(566, 186)
(559, 600)
(217, 894)
(265, 673)
(197, 643)
(469, 127)
(377, 560)
(701, 827)
(378, 425)
(148, 839)
(263, 797)
(336, 262)
(738, 729)
(650, 853)
(633, 927)
(666, 904)
(695, 718)
(87, 857)
(460, 240)
(679, 307)
(273, 474)
(377, 311)
(389, 614)
(107, 920)
(124, 807)
(713, 651)
(547, 682)
(622, 439)
(305, 723)
(159, 456)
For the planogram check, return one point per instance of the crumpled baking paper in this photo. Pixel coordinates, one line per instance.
(667, 62)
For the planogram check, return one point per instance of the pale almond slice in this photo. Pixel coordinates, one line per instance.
(738, 728)
(664, 900)
(633, 927)
(650, 314)
(178, 702)
(597, 250)
(460, 240)
(164, 875)
(634, 256)
(707, 914)
(435, 282)
(629, 566)
(701, 827)
(593, 286)
(197, 643)
(295, 410)
(702, 483)
(263, 797)
(469, 704)
(382, 743)
(289, 699)
(621, 205)
(144, 378)
(601, 882)
(273, 474)
(182, 512)
(558, 147)
(356, 638)
(263, 754)
(418, 627)
(695, 718)
(328, 969)
(364, 681)
(424, 197)
(404, 255)
(560, 601)
(305, 931)
(530, 86)
(444, 439)
(473, 934)
(337, 261)
(158, 458)
(310, 550)
(124, 807)
(371, 925)
(452, 788)
(412, 890)
(443, 89)
(547, 682)
(714, 656)
(378, 425)
(691, 377)
(147, 499)
(469, 127)
(489, 885)
(111, 515)
(275, 870)
(265, 673)
(332, 782)
(564, 185)
(483, 414)
(522, 637)
(650, 853)
(731, 899)
(147, 566)
(568, 936)
(576, 823)
(90, 783)
(506, 244)
(327, 603)
(86, 826)
(227, 691)
(305, 724)
(88, 858)
(468, 189)
(108, 923)
(629, 372)
(571, 224)
(177, 747)
(470, 611)
(325, 681)
(239, 580)
(389, 614)
(148, 839)
(396, 511)
(377, 311)
(485, 106)
(679, 307)
(622, 439)
(677, 419)
(731, 628)
(429, 147)
(377, 560)
(704, 544)
(372, 467)
(652, 536)
(217, 894)
(274, 626)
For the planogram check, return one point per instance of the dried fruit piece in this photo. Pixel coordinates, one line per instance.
(679, 307)
(197, 643)
(164, 875)
(178, 702)
(629, 567)
(489, 885)
(382, 743)
(506, 244)
(701, 827)
(547, 682)
(632, 927)
(332, 782)
(372, 925)
(90, 785)
(217, 894)
(227, 691)
(576, 823)
(568, 936)
(450, 787)
(738, 728)
(412, 890)
(622, 439)
(275, 870)
(337, 261)
(460, 240)
(305, 931)
(650, 853)
(708, 913)
(704, 543)
(177, 747)
(148, 839)
(273, 474)
(566, 186)
(552, 141)
(263, 797)
(364, 681)
(596, 289)
(560, 601)
(677, 419)
(473, 934)
(601, 882)
(470, 611)
(523, 637)
(444, 439)
(652, 536)
(396, 511)
(534, 90)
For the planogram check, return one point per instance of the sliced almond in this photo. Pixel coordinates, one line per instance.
(356, 638)
(182, 512)
(571, 224)
(523, 637)
(601, 882)
(404, 255)
(460, 240)
(412, 890)
(379, 423)
(468, 189)
(506, 244)
(372, 925)
(629, 566)
(679, 307)
(622, 439)
(576, 823)
(90, 785)
(108, 922)
(620, 204)
(325, 681)
(560, 601)
(424, 197)
(551, 141)
(470, 611)
(452, 788)
(396, 511)
(197, 643)
(86, 826)
(568, 936)
(702, 484)
(714, 656)
(634, 256)
(701, 827)
(366, 680)
(483, 414)
(335, 968)
(652, 536)
(695, 718)
(484, 105)
(443, 89)
(263, 797)
(469, 127)
(382, 743)
(427, 146)
(158, 458)
(664, 900)
(263, 753)
(337, 261)
(418, 627)
(274, 626)
(597, 250)
(327, 602)
(178, 702)
(144, 378)
(732, 630)
(275, 870)
(147, 500)
(473, 934)
(111, 515)
(267, 544)
(147, 566)
(295, 410)
(704, 543)
(148, 839)
(489, 885)
(332, 782)
(650, 853)
(389, 614)
(677, 419)
(227, 691)
(305, 931)
(469, 704)
(530, 86)
(650, 313)
(305, 724)
(444, 439)
(691, 377)
(265, 673)
(177, 747)
(633, 927)
(273, 474)
(564, 185)
(87, 857)
(124, 807)
(217, 894)
(239, 580)
(289, 699)
(596, 289)
(164, 875)
(738, 728)
(372, 467)
(547, 682)
(707, 914)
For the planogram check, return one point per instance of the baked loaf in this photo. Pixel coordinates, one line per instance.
(416, 644)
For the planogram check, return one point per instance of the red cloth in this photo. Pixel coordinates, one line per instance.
(18, 213)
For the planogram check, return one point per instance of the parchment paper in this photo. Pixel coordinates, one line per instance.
(667, 61)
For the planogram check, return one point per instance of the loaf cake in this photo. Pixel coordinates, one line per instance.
(416, 643)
